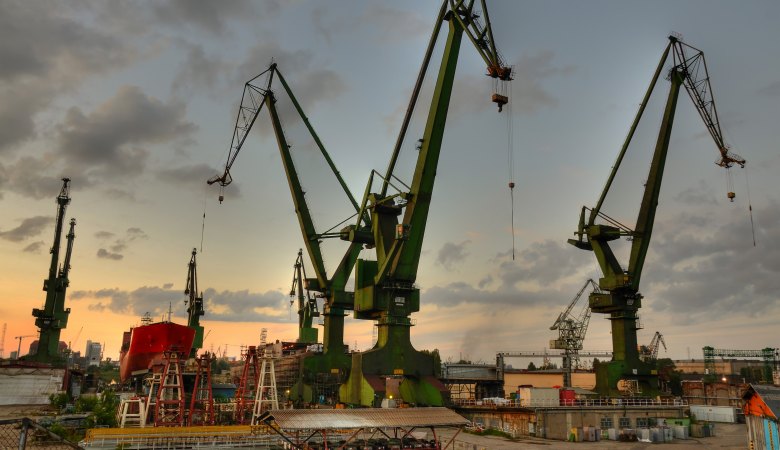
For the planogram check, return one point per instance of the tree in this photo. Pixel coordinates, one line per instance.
(531, 366)
(669, 376)
(436, 360)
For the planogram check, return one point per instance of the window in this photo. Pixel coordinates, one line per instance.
(624, 422)
(606, 422)
(642, 422)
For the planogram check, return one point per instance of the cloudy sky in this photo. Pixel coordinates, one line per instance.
(136, 103)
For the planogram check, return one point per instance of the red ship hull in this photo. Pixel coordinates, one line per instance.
(143, 345)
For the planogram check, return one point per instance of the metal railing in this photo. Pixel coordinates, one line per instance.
(568, 403)
(26, 433)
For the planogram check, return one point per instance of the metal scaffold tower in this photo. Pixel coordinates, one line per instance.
(771, 357)
(154, 387)
(202, 401)
(169, 409)
(245, 393)
(266, 396)
(132, 413)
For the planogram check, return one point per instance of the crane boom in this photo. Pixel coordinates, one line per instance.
(53, 318)
(621, 297)
(385, 289)
(333, 288)
(195, 304)
(307, 305)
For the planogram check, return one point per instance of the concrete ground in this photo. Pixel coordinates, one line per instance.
(727, 436)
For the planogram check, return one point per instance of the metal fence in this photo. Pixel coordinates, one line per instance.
(574, 403)
(26, 433)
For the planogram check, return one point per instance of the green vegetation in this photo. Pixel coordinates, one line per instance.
(436, 360)
(104, 410)
(668, 376)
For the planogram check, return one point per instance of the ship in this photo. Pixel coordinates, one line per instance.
(145, 345)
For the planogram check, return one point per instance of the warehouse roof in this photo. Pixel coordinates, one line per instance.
(308, 419)
(769, 394)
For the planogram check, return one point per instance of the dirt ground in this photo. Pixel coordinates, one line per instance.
(19, 411)
(727, 436)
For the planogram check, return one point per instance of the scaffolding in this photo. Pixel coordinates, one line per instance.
(150, 405)
(169, 410)
(247, 385)
(266, 396)
(771, 357)
(202, 401)
(132, 413)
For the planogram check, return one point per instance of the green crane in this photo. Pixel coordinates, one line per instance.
(330, 366)
(385, 289)
(307, 304)
(53, 318)
(621, 299)
(194, 304)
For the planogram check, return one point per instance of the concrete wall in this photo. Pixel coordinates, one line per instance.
(29, 386)
(556, 423)
(585, 380)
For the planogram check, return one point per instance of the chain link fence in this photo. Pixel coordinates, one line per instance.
(26, 433)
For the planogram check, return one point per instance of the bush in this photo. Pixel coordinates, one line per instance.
(86, 403)
(58, 400)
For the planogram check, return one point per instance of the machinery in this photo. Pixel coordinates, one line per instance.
(331, 365)
(19, 344)
(194, 305)
(53, 318)
(307, 304)
(649, 353)
(621, 298)
(385, 289)
(571, 332)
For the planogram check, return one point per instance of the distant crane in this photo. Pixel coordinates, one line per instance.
(2, 340)
(53, 318)
(571, 332)
(649, 353)
(307, 304)
(620, 297)
(19, 345)
(195, 305)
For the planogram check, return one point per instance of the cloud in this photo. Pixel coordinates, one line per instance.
(393, 25)
(190, 176)
(28, 176)
(104, 235)
(770, 90)
(106, 141)
(224, 306)
(528, 94)
(703, 268)
(310, 83)
(134, 233)
(544, 273)
(213, 17)
(105, 254)
(119, 244)
(451, 254)
(198, 71)
(30, 227)
(698, 195)
(35, 247)
(46, 53)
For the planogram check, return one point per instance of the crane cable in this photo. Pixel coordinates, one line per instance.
(510, 163)
(203, 224)
(750, 208)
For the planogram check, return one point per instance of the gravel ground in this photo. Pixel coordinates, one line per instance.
(728, 436)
